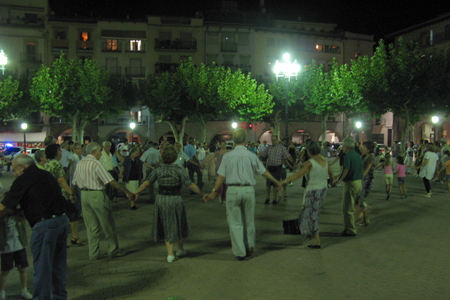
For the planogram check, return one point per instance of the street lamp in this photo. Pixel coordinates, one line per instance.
(234, 125)
(358, 125)
(435, 120)
(3, 61)
(132, 125)
(24, 128)
(286, 69)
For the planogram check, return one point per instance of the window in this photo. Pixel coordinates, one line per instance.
(212, 38)
(332, 49)
(136, 45)
(112, 65)
(60, 34)
(228, 59)
(271, 42)
(357, 55)
(228, 37)
(243, 39)
(111, 45)
(319, 48)
(139, 116)
(84, 36)
(135, 67)
(31, 18)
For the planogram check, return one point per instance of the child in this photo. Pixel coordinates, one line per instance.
(401, 176)
(13, 240)
(388, 174)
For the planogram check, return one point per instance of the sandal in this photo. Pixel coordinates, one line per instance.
(76, 241)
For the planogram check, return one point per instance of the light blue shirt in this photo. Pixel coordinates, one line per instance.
(240, 166)
(190, 151)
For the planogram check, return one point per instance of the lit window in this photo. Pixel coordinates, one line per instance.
(357, 55)
(84, 36)
(319, 48)
(139, 116)
(135, 45)
(111, 45)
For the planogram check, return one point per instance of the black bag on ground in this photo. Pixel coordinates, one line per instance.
(291, 226)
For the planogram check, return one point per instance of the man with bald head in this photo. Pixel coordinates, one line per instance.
(238, 170)
(91, 177)
(39, 196)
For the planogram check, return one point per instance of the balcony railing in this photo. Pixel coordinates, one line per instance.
(135, 48)
(176, 45)
(108, 47)
(34, 58)
(85, 46)
(60, 45)
(135, 71)
(165, 67)
(113, 71)
(229, 47)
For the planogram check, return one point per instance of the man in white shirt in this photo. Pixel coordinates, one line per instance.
(152, 157)
(123, 151)
(64, 161)
(106, 160)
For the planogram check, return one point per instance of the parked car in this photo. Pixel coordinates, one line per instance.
(9, 151)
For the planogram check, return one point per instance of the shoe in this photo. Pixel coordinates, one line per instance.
(388, 197)
(314, 247)
(344, 233)
(118, 253)
(267, 201)
(274, 202)
(25, 294)
(170, 258)
(249, 252)
(180, 253)
(428, 195)
(365, 223)
(77, 242)
(133, 207)
(100, 256)
(240, 258)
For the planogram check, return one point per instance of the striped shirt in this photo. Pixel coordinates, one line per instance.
(275, 155)
(90, 174)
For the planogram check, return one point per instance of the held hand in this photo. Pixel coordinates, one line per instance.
(73, 199)
(136, 196)
(130, 196)
(279, 185)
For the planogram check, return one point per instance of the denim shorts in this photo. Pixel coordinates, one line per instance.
(17, 258)
(401, 179)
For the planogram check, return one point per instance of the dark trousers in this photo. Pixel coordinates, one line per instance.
(195, 169)
(110, 191)
(426, 182)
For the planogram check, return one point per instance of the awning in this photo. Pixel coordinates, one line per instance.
(17, 137)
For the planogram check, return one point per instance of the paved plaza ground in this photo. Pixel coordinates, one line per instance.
(403, 254)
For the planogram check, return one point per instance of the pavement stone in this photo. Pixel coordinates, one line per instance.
(401, 255)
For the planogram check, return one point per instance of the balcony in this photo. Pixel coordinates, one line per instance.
(31, 58)
(135, 48)
(135, 71)
(165, 67)
(85, 47)
(111, 48)
(60, 45)
(113, 70)
(228, 47)
(177, 45)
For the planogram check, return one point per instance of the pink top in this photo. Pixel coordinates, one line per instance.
(401, 170)
(388, 170)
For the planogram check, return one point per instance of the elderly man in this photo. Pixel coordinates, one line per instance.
(238, 170)
(152, 157)
(49, 140)
(44, 206)
(276, 154)
(194, 166)
(351, 175)
(91, 177)
(107, 161)
(182, 157)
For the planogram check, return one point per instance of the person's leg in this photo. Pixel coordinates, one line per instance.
(180, 244)
(169, 247)
(23, 277)
(426, 182)
(348, 209)
(60, 260)
(3, 277)
(234, 219)
(248, 205)
(268, 192)
(92, 224)
(190, 171)
(199, 172)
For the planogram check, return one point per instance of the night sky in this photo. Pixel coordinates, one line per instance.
(370, 17)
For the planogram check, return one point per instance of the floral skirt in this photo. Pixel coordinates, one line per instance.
(169, 219)
(309, 217)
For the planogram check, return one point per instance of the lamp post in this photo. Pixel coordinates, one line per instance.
(24, 128)
(234, 125)
(435, 120)
(286, 69)
(132, 125)
(3, 61)
(358, 125)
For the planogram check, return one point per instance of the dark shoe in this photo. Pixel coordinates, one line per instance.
(119, 253)
(133, 207)
(77, 242)
(314, 247)
(267, 201)
(344, 233)
(249, 252)
(274, 202)
(100, 256)
(240, 258)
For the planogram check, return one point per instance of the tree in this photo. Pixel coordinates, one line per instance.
(79, 92)
(397, 79)
(329, 93)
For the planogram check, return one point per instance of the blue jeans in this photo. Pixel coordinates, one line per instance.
(48, 245)
(195, 169)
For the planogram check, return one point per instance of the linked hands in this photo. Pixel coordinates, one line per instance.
(131, 196)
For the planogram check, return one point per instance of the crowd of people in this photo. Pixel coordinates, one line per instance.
(66, 183)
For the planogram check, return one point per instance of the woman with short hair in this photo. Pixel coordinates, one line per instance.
(169, 217)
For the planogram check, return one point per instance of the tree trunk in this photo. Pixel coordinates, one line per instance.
(183, 126)
(81, 131)
(404, 133)
(274, 125)
(324, 128)
(75, 127)
(173, 127)
(413, 132)
(345, 132)
(203, 123)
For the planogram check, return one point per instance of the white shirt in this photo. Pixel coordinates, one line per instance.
(123, 150)
(240, 167)
(427, 171)
(201, 154)
(107, 161)
(64, 161)
(182, 158)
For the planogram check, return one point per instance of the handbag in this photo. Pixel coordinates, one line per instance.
(291, 226)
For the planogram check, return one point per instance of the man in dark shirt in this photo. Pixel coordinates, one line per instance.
(351, 175)
(43, 204)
